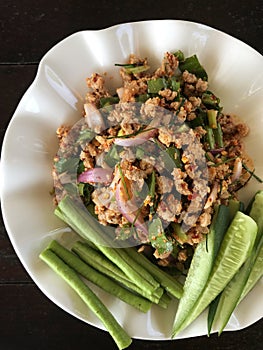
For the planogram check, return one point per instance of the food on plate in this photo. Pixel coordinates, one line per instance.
(155, 156)
(149, 179)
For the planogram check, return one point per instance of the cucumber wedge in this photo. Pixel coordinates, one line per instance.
(234, 206)
(202, 262)
(235, 249)
(231, 295)
(256, 212)
(256, 272)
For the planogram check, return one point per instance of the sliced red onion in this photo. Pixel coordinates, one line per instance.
(96, 175)
(237, 170)
(135, 140)
(217, 150)
(93, 118)
(129, 210)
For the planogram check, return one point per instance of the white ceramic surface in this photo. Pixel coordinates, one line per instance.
(56, 96)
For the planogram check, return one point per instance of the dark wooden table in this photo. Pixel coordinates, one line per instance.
(28, 319)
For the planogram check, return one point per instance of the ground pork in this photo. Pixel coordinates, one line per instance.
(164, 184)
(169, 207)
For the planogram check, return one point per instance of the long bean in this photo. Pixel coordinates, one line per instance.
(98, 278)
(170, 284)
(92, 231)
(119, 335)
(105, 266)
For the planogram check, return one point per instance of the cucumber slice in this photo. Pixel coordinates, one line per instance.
(256, 272)
(256, 212)
(202, 262)
(235, 248)
(231, 295)
(234, 206)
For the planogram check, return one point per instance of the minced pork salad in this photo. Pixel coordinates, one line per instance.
(152, 159)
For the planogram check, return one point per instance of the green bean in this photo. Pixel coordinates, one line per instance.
(119, 335)
(170, 284)
(105, 266)
(99, 279)
(91, 230)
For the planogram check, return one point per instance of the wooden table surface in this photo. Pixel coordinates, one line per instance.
(28, 319)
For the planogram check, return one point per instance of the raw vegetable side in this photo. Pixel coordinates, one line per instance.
(248, 274)
(235, 249)
(119, 335)
(149, 180)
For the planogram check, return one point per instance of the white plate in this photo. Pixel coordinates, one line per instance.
(56, 96)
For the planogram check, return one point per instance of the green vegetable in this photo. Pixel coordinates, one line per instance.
(101, 263)
(169, 283)
(257, 270)
(211, 313)
(192, 65)
(252, 172)
(151, 181)
(235, 248)
(119, 335)
(91, 230)
(179, 54)
(112, 156)
(210, 138)
(155, 85)
(238, 287)
(133, 68)
(108, 101)
(179, 232)
(97, 278)
(202, 262)
(211, 100)
(67, 165)
(211, 116)
(232, 292)
(86, 135)
(233, 207)
(171, 158)
(158, 237)
(218, 135)
(142, 98)
(174, 84)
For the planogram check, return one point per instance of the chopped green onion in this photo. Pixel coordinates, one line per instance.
(218, 134)
(252, 173)
(209, 99)
(107, 101)
(210, 137)
(211, 115)
(133, 68)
